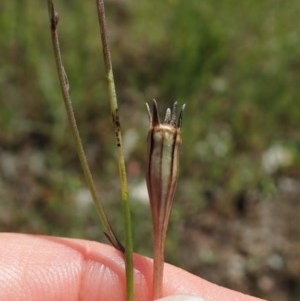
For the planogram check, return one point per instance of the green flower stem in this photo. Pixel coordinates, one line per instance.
(120, 155)
(69, 108)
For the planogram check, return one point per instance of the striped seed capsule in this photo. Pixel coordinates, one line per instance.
(164, 142)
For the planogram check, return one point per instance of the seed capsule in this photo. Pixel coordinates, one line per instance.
(164, 141)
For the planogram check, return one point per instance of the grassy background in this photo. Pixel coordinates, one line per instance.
(235, 64)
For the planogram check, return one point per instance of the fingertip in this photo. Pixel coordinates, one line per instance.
(52, 268)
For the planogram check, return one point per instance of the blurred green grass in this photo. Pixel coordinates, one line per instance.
(235, 65)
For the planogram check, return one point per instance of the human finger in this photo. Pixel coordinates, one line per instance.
(53, 268)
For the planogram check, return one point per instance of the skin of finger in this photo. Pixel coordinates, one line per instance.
(52, 268)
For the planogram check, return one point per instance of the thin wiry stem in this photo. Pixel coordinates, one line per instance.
(69, 108)
(120, 154)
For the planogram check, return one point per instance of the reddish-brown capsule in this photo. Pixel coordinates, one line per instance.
(164, 142)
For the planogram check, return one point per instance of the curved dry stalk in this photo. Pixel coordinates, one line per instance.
(69, 108)
(164, 141)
